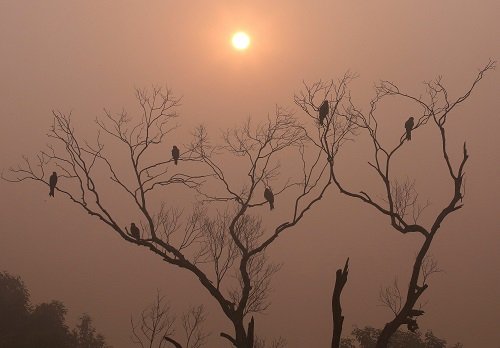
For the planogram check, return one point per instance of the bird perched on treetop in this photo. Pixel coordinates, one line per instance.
(134, 231)
(269, 196)
(175, 154)
(409, 126)
(52, 183)
(323, 111)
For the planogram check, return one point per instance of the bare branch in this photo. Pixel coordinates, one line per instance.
(391, 297)
(192, 323)
(155, 323)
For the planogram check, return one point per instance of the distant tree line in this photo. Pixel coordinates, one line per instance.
(24, 325)
(367, 338)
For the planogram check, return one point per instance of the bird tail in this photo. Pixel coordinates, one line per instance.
(51, 192)
(408, 135)
(175, 161)
(271, 205)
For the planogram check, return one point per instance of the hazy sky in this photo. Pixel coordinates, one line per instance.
(86, 55)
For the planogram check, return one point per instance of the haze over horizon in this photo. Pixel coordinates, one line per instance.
(82, 57)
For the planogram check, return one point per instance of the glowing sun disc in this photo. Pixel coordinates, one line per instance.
(240, 40)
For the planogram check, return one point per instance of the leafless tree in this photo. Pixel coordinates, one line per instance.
(338, 127)
(155, 326)
(275, 343)
(399, 196)
(222, 240)
(155, 322)
(258, 149)
(191, 323)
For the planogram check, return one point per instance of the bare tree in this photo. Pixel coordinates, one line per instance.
(332, 131)
(275, 343)
(258, 149)
(400, 197)
(191, 323)
(154, 323)
(221, 241)
(155, 326)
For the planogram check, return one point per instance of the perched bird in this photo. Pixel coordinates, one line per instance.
(175, 154)
(409, 126)
(323, 111)
(52, 183)
(269, 196)
(134, 231)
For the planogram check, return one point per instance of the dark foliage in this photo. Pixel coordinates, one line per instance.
(23, 325)
(367, 338)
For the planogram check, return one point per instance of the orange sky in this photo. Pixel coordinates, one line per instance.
(88, 55)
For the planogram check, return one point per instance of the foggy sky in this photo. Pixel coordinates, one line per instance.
(84, 56)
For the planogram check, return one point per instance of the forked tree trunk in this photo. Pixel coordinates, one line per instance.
(243, 339)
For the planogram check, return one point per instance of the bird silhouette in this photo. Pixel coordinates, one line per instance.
(409, 126)
(269, 196)
(323, 111)
(175, 154)
(52, 183)
(134, 231)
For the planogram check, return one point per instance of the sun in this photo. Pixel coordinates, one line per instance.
(241, 41)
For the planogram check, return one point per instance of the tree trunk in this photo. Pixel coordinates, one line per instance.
(242, 339)
(338, 318)
(386, 334)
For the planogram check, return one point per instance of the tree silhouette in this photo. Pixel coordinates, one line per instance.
(338, 318)
(47, 326)
(15, 309)
(367, 338)
(222, 235)
(23, 325)
(222, 240)
(85, 335)
(400, 204)
(155, 326)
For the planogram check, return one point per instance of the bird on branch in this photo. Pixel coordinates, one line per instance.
(269, 196)
(323, 111)
(134, 231)
(409, 126)
(52, 183)
(175, 154)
